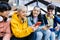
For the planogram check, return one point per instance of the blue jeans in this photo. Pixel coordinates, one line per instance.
(30, 37)
(46, 34)
(14, 38)
(52, 36)
(58, 34)
(37, 35)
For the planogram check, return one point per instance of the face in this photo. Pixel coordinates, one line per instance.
(36, 11)
(5, 13)
(50, 12)
(22, 13)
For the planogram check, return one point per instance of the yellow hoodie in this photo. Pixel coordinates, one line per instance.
(18, 28)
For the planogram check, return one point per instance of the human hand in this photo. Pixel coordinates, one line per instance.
(57, 28)
(34, 27)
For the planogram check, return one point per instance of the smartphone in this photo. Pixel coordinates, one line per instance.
(38, 23)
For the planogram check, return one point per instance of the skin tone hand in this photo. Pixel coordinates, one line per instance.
(57, 28)
(46, 27)
(34, 27)
(2, 30)
(1, 34)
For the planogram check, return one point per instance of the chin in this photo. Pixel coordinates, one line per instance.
(23, 17)
(35, 16)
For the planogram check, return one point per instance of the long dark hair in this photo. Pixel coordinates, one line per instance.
(39, 16)
(4, 6)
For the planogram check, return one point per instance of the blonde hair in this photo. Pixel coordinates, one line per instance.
(21, 7)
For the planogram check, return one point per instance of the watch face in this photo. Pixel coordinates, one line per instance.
(1, 18)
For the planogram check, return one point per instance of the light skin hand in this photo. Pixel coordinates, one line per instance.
(56, 28)
(34, 27)
(45, 28)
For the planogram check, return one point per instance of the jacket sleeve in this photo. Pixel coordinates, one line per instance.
(29, 22)
(58, 19)
(20, 32)
(7, 36)
(8, 31)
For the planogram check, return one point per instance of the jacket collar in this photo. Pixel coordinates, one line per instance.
(49, 17)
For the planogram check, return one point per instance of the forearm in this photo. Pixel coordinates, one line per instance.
(40, 27)
(7, 37)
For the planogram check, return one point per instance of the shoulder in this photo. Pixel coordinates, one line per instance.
(55, 16)
(29, 17)
(43, 15)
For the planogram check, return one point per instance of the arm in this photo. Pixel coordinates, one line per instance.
(29, 22)
(20, 32)
(40, 27)
(7, 36)
(58, 19)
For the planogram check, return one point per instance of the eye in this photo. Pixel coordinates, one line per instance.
(34, 10)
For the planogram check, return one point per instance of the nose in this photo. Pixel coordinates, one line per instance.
(25, 13)
(50, 12)
(35, 12)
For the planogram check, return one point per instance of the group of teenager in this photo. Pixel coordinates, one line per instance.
(22, 27)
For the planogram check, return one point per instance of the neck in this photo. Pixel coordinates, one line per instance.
(0, 14)
(20, 17)
(48, 15)
(51, 16)
(35, 16)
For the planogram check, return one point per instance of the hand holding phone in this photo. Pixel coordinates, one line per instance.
(35, 26)
(38, 23)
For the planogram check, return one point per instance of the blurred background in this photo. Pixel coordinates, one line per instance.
(32, 3)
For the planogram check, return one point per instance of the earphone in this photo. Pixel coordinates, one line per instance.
(1, 19)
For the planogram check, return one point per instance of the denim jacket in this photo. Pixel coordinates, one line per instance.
(31, 22)
(56, 20)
